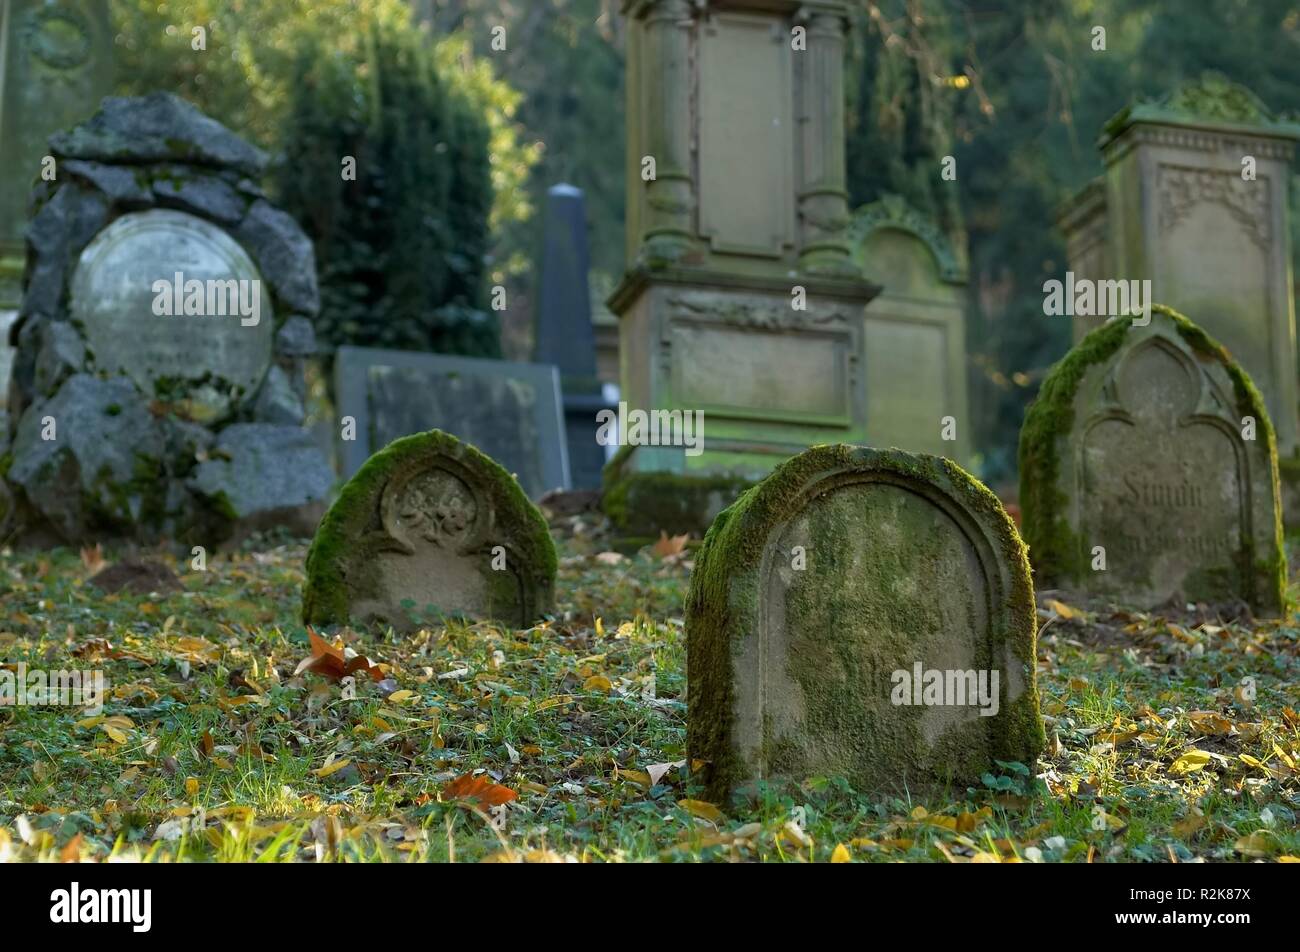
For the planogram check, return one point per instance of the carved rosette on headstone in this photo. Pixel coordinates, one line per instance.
(430, 528)
(865, 614)
(1148, 472)
(168, 309)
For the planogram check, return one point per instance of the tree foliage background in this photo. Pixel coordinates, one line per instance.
(1012, 89)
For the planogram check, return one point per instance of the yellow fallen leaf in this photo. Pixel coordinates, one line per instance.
(397, 697)
(597, 682)
(1189, 825)
(191, 786)
(332, 768)
(639, 777)
(702, 809)
(1062, 609)
(1257, 844)
(114, 734)
(1288, 859)
(841, 854)
(1191, 761)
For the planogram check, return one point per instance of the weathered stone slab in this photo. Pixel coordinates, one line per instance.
(148, 333)
(430, 527)
(510, 411)
(113, 297)
(816, 597)
(1148, 472)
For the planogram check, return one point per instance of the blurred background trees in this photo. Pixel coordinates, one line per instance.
(1013, 90)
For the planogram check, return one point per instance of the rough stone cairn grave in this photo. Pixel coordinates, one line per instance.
(167, 313)
(430, 528)
(861, 613)
(1148, 472)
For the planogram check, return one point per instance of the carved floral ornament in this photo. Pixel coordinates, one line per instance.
(893, 211)
(434, 505)
(1179, 190)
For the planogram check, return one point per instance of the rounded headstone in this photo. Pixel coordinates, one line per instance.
(430, 528)
(827, 600)
(1148, 472)
(114, 298)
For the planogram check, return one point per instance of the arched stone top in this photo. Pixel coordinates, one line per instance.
(1209, 99)
(893, 212)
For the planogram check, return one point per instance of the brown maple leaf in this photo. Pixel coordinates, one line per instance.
(329, 661)
(479, 789)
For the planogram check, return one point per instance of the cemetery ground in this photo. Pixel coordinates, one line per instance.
(215, 744)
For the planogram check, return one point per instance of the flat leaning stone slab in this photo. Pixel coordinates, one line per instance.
(430, 528)
(1148, 472)
(821, 595)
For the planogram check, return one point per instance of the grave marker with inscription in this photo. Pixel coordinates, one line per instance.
(866, 614)
(166, 315)
(512, 411)
(1148, 472)
(429, 528)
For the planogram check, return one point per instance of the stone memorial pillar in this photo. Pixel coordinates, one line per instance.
(1196, 199)
(740, 302)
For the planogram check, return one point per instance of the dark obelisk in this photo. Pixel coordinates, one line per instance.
(565, 336)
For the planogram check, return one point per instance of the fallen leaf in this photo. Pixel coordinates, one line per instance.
(335, 767)
(702, 809)
(479, 789)
(330, 662)
(1191, 761)
(668, 546)
(841, 854)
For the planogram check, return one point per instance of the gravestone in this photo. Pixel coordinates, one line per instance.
(914, 333)
(56, 63)
(511, 411)
(167, 312)
(429, 528)
(740, 300)
(565, 335)
(865, 614)
(1196, 199)
(1148, 472)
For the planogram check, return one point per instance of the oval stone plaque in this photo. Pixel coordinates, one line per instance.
(211, 321)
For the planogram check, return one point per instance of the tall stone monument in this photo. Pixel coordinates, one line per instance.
(565, 336)
(55, 66)
(1196, 199)
(741, 300)
(914, 332)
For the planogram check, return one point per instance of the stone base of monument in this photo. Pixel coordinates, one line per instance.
(640, 505)
(166, 318)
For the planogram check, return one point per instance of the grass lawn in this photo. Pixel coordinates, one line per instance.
(210, 747)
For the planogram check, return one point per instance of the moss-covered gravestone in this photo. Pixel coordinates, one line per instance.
(1148, 472)
(866, 614)
(430, 528)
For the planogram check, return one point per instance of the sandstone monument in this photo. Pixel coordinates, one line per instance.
(1196, 199)
(866, 614)
(1148, 472)
(167, 312)
(914, 335)
(741, 300)
(430, 528)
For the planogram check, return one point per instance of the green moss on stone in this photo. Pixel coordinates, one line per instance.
(724, 613)
(644, 504)
(1058, 555)
(340, 556)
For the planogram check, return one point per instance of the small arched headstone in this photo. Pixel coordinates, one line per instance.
(866, 614)
(1148, 472)
(430, 528)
